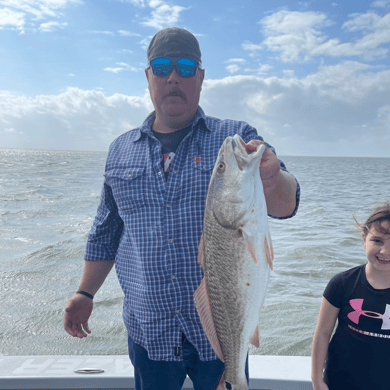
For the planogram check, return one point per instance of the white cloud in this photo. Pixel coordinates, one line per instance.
(39, 8)
(102, 32)
(21, 15)
(128, 67)
(71, 74)
(236, 60)
(51, 26)
(381, 3)
(125, 33)
(75, 119)
(325, 109)
(251, 46)
(298, 36)
(12, 18)
(163, 15)
(233, 68)
(138, 3)
(288, 73)
(341, 110)
(113, 70)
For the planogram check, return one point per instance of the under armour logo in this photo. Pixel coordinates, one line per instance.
(355, 315)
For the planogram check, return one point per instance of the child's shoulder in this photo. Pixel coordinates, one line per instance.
(341, 283)
(349, 273)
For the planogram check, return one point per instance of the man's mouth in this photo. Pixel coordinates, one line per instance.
(177, 93)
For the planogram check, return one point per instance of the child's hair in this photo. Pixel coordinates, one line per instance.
(380, 214)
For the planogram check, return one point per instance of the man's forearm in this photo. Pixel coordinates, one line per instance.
(281, 201)
(94, 274)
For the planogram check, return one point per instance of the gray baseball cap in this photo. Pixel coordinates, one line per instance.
(174, 42)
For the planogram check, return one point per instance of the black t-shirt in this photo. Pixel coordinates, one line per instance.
(359, 352)
(170, 142)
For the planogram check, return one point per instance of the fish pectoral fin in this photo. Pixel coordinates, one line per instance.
(201, 252)
(269, 251)
(202, 303)
(255, 339)
(249, 239)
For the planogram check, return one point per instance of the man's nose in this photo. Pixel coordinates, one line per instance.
(173, 77)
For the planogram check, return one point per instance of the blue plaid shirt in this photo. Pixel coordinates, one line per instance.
(151, 227)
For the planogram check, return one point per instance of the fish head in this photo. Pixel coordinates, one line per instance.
(234, 182)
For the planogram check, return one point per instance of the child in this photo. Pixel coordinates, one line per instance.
(358, 357)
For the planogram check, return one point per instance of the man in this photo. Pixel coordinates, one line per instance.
(149, 220)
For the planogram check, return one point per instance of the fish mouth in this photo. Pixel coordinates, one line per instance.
(239, 153)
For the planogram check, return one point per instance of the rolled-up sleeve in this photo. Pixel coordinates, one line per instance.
(106, 231)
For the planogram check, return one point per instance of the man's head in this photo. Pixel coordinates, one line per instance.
(175, 77)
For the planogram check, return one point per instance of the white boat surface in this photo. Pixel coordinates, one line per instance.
(117, 373)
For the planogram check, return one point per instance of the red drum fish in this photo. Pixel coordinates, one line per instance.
(236, 255)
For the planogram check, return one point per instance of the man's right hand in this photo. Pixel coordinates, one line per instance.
(77, 313)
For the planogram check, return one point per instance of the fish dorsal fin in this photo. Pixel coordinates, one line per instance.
(202, 303)
(255, 339)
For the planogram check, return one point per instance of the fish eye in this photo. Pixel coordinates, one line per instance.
(221, 166)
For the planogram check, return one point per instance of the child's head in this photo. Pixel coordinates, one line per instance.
(376, 239)
(377, 220)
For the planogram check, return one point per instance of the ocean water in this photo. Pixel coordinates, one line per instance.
(48, 200)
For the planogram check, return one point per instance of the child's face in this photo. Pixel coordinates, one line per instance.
(377, 247)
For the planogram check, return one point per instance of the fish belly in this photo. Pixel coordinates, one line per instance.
(236, 287)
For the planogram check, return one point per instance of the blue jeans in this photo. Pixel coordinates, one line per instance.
(162, 375)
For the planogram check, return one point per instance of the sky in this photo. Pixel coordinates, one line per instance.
(313, 77)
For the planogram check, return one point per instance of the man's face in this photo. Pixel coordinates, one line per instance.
(175, 98)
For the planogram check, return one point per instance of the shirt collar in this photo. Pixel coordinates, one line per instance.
(146, 128)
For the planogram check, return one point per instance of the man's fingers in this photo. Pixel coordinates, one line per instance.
(79, 331)
(86, 327)
(252, 145)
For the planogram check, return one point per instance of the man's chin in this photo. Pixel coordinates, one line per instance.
(175, 109)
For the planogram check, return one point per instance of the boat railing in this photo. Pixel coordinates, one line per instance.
(117, 373)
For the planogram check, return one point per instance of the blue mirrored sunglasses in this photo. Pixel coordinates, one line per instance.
(185, 67)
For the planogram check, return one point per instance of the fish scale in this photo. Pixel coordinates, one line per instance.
(234, 253)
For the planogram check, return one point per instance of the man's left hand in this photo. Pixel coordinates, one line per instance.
(269, 165)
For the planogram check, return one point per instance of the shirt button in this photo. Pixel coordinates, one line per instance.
(159, 173)
(129, 175)
(173, 276)
(178, 312)
(174, 171)
(170, 240)
(204, 166)
(168, 205)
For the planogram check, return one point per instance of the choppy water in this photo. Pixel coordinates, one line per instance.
(48, 200)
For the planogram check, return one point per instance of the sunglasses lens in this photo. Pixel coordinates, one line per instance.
(186, 67)
(161, 66)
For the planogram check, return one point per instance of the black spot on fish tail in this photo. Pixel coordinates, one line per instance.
(228, 386)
